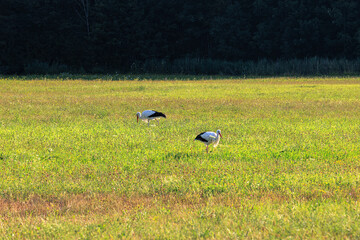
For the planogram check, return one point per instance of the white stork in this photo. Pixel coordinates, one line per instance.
(208, 138)
(148, 115)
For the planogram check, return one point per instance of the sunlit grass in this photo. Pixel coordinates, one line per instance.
(74, 163)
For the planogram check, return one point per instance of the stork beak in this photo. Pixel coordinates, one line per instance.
(137, 118)
(220, 135)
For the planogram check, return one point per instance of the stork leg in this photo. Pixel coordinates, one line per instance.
(207, 148)
(157, 121)
(148, 122)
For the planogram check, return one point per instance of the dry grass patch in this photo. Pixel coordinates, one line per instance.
(103, 204)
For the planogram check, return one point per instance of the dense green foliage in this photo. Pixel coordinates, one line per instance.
(74, 163)
(50, 36)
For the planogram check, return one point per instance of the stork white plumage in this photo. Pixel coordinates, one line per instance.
(209, 138)
(148, 115)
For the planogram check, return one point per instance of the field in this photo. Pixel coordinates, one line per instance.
(75, 164)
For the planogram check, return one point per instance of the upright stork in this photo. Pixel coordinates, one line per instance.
(148, 115)
(209, 138)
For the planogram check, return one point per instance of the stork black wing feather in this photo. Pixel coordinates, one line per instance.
(198, 137)
(157, 114)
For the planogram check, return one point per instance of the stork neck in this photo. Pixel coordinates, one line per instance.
(217, 139)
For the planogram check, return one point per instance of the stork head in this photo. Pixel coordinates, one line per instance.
(137, 116)
(219, 132)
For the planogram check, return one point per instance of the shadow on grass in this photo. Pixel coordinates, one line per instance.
(181, 155)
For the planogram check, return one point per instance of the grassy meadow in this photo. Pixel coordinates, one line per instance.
(75, 164)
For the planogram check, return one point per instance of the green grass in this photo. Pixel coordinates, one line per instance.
(75, 164)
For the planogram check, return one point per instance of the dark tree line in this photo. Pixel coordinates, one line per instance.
(116, 35)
